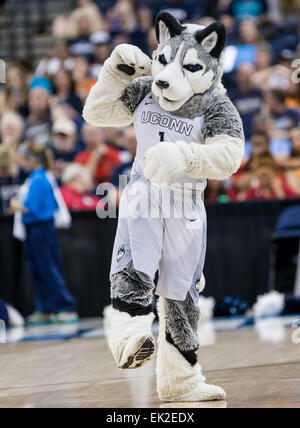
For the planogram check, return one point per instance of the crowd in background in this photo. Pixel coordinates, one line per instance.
(43, 102)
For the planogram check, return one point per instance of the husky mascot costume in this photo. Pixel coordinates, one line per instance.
(187, 131)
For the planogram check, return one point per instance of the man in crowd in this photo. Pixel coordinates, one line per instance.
(98, 157)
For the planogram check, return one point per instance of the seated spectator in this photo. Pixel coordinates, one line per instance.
(101, 42)
(121, 174)
(183, 10)
(292, 166)
(38, 123)
(14, 97)
(122, 18)
(246, 97)
(64, 93)
(260, 150)
(241, 10)
(145, 24)
(81, 78)
(11, 134)
(84, 21)
(217, 192)
(264, 56)
(277, 77)
(249, 32)
(267, 183)
(284, 119)
(77, 186)
(99, 158)
(59, 57)
(64, 139)
(8, 182)
(11, 130)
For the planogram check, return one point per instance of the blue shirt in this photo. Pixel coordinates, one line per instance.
(40, 201)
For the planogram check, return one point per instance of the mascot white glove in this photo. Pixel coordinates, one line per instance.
(162, 161)
(131, 61)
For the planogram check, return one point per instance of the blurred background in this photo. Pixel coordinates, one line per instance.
(54, 51)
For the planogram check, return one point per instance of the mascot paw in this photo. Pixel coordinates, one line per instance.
(131, 61)
(162, 161)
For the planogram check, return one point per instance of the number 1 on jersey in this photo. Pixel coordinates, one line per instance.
(162, 136)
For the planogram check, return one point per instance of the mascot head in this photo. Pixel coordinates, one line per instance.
(187, 62)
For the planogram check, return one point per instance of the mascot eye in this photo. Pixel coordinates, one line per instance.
(162, 59)
(193, 67)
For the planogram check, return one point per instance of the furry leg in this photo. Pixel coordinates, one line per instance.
(179, 376)
(131, 340)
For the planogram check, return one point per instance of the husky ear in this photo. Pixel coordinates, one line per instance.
(166, 27)
(212, 38)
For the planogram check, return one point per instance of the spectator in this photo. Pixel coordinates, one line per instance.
(216, 192)
(38, 122)
(260, 145)
(99, 158)
(16, 93)
(36, 210)
(11, 130)
(82, 78)
(76, 191)
(64, 134)
(292, 166)
(246, 97)
(284, 119)
(268, 182)
(83, 22)
(8, 182)
(64, 93)
(242, 10)
(101, 42)
(121, 174)
(264, 56)
(249, 33)
(59, 57)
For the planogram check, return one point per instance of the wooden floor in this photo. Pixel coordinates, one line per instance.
(256, 370)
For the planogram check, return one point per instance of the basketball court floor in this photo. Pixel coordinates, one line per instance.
(258, 364)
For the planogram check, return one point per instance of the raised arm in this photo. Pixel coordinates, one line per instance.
(105, 104)
(218, 158)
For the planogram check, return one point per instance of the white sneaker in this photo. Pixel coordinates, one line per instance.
(65, 318)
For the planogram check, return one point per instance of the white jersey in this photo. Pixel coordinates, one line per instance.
(154, 125)
(174, 244)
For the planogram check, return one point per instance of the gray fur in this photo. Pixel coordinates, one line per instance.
(132, 286)
(182, 320)
(221, 117)
(136, 92)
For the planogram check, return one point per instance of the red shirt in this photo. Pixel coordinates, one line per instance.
(108, 162)
(256, 193)
(77, 202)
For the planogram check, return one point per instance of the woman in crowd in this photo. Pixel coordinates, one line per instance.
(260, 149)
(64, 93)
(77, 186)
(267, 182)
(35, 211)
(292, 166)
